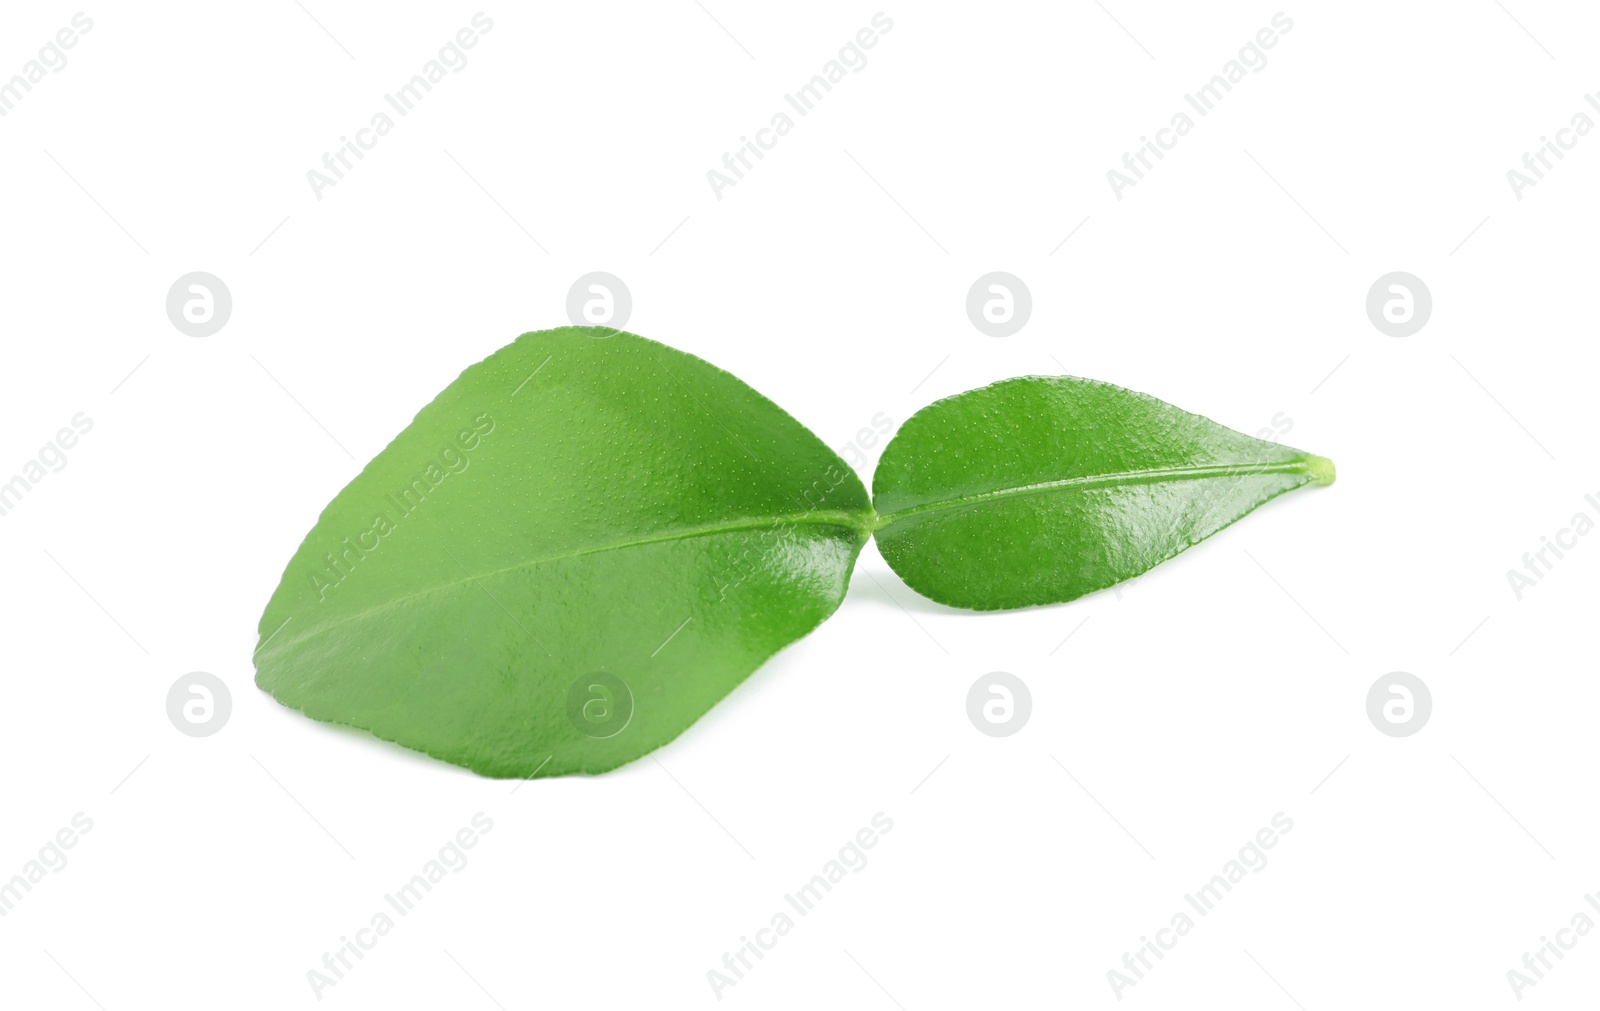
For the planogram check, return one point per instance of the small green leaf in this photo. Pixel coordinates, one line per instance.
(571, 554)
(1042, 489)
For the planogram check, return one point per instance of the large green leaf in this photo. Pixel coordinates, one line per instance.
(1041, 489)
(572, 553)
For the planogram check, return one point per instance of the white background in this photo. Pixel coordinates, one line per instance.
(1182, 714)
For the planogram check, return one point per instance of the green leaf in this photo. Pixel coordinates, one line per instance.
(1042, 489)
(571, 554)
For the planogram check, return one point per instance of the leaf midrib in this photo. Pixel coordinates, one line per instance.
(856, 523)
(1155, 475)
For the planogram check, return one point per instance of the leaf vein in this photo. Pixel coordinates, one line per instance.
(1085, 481)
(842, 520)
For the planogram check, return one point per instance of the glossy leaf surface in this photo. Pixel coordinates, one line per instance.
(1042, 489)
(574, 551)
